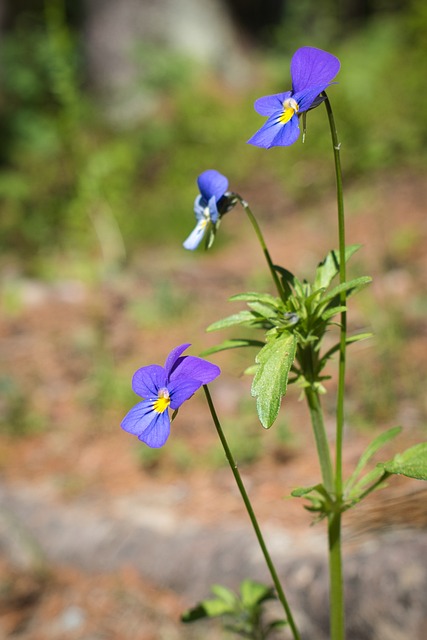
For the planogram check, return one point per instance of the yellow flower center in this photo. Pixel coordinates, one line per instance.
(163, 401)
(290, 108)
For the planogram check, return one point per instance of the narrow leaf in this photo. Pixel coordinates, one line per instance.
(370, 451)
(352, 286)
(271, 377)
(243, 317)
(233, 343)
(329, 268)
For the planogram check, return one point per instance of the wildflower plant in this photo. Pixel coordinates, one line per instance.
(290, 326)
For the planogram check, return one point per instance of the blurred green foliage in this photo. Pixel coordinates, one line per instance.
(71, 182)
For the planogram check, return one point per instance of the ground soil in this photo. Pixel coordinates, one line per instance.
(69, 348)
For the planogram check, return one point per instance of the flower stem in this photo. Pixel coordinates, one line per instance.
(343, 297)
(334, 520)
(261, 240)
(254, 521)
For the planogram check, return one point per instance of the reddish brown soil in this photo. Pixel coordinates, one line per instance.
(69, 349)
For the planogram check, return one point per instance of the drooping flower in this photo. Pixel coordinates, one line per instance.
(312, 70)
(212, 202)
(164, 388)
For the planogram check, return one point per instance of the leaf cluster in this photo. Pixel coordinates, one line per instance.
(242, 613)
(411, 463)
(294, 325)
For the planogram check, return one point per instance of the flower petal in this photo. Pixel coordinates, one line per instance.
(212, 183)
(157, 434)
(173, 357)
(274, 133)
(181, 390)
(312, 67)
(308, 96)
(147, 381)
(195, 368)
(197, 235)
(213, 209)
(139, 418)
(268, 105)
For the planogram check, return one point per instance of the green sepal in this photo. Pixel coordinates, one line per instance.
(233, 343)
(411, 463)
(330, 267)
(271, 377)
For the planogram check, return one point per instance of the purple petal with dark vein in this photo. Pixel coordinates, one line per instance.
(147, 381)
(308, 96)
(264, 137)
(268, 105)
(212, 183)
(181, 390)
(139, 418)
(158, 432)
(274, 133)
(288, 134)
(195, 368)
(312, 67)
(173, 357)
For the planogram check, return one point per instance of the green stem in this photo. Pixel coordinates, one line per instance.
(334, 521)
(343, 333)
(320, 437)
(249, 509)
(261, 240)
(336, 578)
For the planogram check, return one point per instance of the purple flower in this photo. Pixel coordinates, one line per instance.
(212, 202)
(312, 70)
(162, 388)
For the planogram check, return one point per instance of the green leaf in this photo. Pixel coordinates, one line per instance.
(330, 313)
(225, 594)
(370, 451)
(264, 310)
(211, 608)
(351, 287)
(252, 296)
(271, 377)
(242, 317)
(329, 268)
(233, 343)
(411, 463)
(253, 593)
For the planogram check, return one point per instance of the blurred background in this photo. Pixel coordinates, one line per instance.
(109, 110)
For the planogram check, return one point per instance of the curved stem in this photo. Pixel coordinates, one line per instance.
(334, 520)
(343, 333)
(249, 509)
(261, 240)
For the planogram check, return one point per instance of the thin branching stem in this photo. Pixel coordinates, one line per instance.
(252, 516)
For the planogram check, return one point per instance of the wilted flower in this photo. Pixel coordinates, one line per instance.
(212, 202)
(162, 388)
(312, 70)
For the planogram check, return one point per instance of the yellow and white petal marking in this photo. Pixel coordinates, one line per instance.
(163, 401)
(290, 108)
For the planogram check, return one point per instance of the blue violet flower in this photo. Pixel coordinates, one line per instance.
(162, 388)
(312, 71)
(210, 205)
